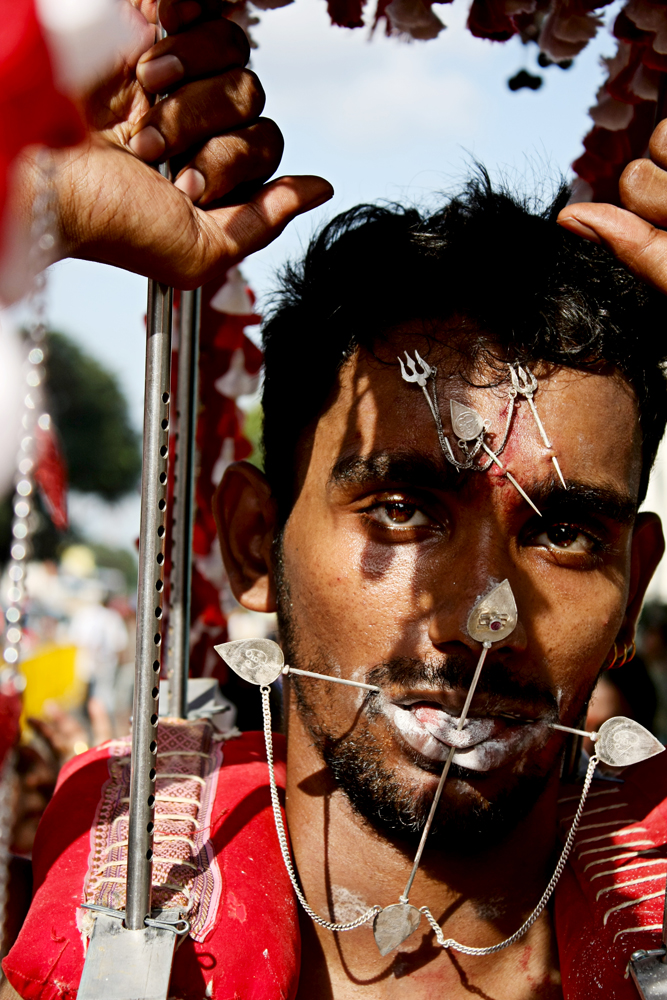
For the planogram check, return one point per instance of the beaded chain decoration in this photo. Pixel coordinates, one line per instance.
(24, 519)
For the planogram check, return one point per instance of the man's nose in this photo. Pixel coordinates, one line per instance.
(471, 577)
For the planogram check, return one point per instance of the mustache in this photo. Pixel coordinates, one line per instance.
(497, 681)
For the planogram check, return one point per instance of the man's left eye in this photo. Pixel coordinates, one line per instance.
(565, 537)
(397, 514)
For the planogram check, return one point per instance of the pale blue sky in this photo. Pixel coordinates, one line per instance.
(379, 119)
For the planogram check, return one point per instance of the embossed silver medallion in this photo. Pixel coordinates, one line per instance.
(258, 661)
(621, 742)
(495, 616)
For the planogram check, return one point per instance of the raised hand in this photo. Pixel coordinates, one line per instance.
(632, 233)
(113, 205)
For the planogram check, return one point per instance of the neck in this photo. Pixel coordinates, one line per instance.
(346, 866)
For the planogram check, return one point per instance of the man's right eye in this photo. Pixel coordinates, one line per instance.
(398, 514)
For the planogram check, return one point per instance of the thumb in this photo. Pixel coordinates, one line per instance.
(636, 243)
(238, 230)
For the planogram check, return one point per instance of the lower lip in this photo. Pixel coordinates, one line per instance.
(493, 742)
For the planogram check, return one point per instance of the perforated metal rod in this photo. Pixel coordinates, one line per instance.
(183, 503)
(149, 605)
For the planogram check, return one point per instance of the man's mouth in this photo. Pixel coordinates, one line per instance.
(489, 738)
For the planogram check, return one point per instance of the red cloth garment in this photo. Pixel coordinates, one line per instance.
(610, 899)
(607, 904)
(252, 951)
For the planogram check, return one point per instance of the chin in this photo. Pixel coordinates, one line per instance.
(393, 790)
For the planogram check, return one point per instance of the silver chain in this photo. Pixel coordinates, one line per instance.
(369, 914)
(34, 419)
(282, 838)
(546, 896)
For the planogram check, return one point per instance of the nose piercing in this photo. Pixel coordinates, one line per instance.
(492, 619)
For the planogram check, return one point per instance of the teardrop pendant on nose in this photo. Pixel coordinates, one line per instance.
(495, 616)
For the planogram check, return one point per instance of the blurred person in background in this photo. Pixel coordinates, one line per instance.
(98, 631)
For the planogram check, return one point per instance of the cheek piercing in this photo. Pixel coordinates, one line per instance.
(619, 741)
(261, 662)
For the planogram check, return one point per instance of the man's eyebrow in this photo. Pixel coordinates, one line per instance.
(400, 467)
(603, 501)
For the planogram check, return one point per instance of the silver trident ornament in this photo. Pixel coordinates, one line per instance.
(524, 384)
(492, 619)
(468, 425)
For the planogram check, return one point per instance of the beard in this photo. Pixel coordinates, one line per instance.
(395, 807)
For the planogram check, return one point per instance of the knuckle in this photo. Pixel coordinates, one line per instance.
(269, 139)
(250, 92)
(633, 182)
(658, 142)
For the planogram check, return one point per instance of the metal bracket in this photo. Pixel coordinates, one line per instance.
(648, 970)
(130, 965)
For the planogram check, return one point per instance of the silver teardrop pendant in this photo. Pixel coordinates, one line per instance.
(622, 742)
(495, 616)
(258, 661)
(393, 925)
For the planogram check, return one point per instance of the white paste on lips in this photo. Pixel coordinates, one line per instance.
(492, 742)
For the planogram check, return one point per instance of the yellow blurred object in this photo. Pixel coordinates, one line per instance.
(51, 676)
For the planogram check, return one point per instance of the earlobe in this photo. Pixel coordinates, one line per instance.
(245, 514)
(648, 546)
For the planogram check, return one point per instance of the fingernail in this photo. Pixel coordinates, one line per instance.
(580, 229)
(148, 144)
(192, 183)
(155, 74)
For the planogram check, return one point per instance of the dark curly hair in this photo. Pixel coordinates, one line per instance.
(538, 292)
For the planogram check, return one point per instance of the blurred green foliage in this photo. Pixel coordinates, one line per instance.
(101, 448)
(252, 429)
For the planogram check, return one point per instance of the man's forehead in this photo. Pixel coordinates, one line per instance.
(591, 417)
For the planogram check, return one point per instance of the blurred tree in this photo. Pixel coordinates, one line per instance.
(101, 448)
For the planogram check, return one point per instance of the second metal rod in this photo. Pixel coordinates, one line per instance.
(183, 503)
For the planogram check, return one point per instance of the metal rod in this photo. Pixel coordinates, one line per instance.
(326, 677)
(577, 732)
(511, 478)
(445, 772)
(183, 503)
(149, 605)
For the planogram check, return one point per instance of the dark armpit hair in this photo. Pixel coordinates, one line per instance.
(539, 292)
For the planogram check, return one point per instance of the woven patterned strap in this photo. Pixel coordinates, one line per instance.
(186, 876)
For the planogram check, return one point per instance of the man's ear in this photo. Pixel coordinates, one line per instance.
(245, 514)
(648, 546)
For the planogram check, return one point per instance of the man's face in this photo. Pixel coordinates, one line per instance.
(389, 547)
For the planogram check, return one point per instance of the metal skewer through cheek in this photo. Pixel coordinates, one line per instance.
(486, 646)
